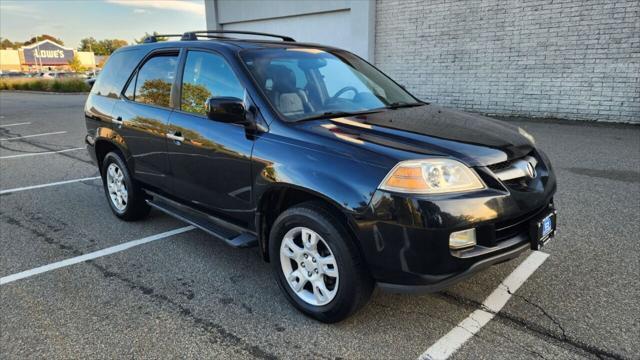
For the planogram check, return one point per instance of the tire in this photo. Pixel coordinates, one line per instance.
(347, 282)
(124, 196)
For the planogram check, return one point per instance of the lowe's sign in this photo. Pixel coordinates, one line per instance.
(47, 53)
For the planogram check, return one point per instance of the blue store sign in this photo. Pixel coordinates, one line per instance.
(47, 53)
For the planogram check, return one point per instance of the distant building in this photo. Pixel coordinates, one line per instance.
(45, 55)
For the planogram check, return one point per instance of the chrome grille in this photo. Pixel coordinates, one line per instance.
(523, 168)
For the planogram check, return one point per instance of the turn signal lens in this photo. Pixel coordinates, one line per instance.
(407, 178)
(462, 239)
(432, 176)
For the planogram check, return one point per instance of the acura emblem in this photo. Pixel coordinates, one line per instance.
(531, 170)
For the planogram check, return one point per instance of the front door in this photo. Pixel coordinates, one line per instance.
(142, 119)
(210, 160)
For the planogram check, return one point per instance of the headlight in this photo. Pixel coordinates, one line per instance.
(431, 176)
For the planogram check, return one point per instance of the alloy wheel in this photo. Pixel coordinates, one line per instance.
(309, 266)
(117, 187)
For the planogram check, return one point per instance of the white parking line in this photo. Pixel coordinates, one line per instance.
(30, 136)
(94, 255)
(16, 124)
(452, 341)
(40, 153)
(46, 185)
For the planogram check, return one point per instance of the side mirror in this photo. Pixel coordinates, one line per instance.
(226, 109)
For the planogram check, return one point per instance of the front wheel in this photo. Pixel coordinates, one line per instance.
(317, 264)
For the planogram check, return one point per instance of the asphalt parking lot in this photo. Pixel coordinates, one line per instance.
(190, 296)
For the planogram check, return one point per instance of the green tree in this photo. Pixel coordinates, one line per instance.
(146, 34)
(111, 45)
(194, 98)
(8, 44)
(88, 44)
(76, 65)
(154, 91)
(102, 47)
(39, 38)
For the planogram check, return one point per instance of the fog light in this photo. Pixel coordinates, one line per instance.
(462, 239)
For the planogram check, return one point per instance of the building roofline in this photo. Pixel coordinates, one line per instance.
(45, 41)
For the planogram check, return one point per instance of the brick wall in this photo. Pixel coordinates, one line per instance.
(571, 59)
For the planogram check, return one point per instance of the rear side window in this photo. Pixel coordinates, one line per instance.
(116, 72)
(154, 80)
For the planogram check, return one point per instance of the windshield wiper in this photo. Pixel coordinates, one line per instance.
(401, 104)
(333, 114)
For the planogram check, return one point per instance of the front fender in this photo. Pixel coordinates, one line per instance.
(348, 197)
(345, 182)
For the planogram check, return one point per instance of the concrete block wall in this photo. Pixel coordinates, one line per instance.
(570, 59)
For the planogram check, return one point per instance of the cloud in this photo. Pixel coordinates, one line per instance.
(12, 6)
(16, 8)
(176, 5)
(139, 11)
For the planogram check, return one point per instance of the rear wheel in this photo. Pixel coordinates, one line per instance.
(317, 264)
(125, 198)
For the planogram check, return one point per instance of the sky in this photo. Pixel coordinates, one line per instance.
(72, 20)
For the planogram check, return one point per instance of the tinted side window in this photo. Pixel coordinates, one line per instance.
(207, 75)
(116, 72)
(154, 80)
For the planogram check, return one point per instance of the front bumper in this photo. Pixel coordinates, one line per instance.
(448, 281)
(405, 238)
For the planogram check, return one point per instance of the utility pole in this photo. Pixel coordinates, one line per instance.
(94, 60)
(38, 52)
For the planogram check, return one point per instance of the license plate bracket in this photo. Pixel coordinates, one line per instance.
(543, 229)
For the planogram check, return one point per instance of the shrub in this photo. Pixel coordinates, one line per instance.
(53, 85)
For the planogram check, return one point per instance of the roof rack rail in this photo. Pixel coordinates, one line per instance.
(193, 35)
(154, 38)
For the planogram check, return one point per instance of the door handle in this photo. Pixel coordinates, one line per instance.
(177, 136)
(117, 120)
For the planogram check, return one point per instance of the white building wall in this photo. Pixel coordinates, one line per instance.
(570, 59)
(342, 23)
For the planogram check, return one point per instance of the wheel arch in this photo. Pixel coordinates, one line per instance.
(279, 197)
(108, 140)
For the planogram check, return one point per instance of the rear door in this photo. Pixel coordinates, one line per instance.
(211, 163)
(142, 118)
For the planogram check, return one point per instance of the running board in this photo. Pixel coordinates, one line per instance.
(231, 234)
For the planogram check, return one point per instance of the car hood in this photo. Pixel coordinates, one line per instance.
(431, 130)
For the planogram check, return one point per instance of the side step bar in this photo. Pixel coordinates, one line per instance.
(231, 234)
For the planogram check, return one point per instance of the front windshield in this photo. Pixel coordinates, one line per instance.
(304, 83)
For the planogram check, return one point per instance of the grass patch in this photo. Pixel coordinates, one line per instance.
(50, 85)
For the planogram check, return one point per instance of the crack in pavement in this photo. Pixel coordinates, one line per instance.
(564, 340)
(453, 324)
(214, 329)
(209, 326)
(546, 314)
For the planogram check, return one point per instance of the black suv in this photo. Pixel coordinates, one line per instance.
(341, 177)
